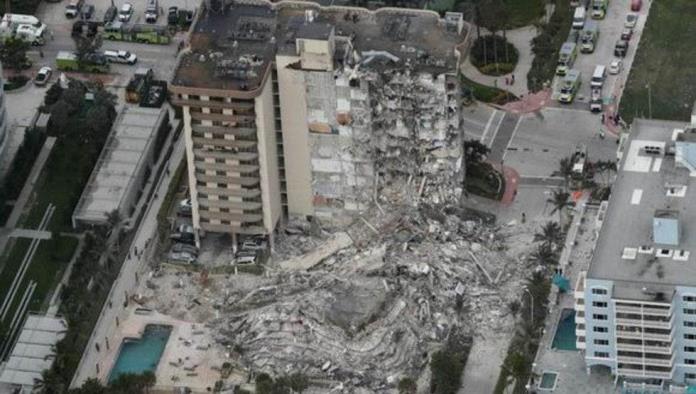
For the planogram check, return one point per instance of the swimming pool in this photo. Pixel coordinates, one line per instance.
(138, 355)
(565, 331)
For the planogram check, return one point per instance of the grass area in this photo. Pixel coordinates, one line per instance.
(493, 55)
(664, 61)
(524, 12)
(49, 260)
(485, 181)
(486, 94)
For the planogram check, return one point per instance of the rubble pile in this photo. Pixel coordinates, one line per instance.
(371, 312)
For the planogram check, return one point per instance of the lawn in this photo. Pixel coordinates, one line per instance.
(486, 94)
(485, 181)
(664, 61)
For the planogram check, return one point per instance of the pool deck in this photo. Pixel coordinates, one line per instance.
(569, 364)
(189, 359)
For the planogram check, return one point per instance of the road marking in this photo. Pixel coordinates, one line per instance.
(512, 137)
(488, 125)
(497, 127)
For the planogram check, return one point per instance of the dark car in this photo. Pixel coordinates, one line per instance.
(626, 34)
(87, 11)
(173, 16)
(621, 48)
(110, 14)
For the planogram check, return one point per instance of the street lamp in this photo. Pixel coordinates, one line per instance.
(531, 304)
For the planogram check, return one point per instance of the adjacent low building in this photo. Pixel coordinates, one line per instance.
(636, 305)
(293, 109)
(119, 177)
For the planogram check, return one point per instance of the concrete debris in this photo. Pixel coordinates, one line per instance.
(360, 309)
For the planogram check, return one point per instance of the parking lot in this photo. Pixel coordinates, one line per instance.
(610, 29)
(161, 58)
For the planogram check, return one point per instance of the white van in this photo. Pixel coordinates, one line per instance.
(121, 57)
(598, 76)
(579, 18)
(152, 11)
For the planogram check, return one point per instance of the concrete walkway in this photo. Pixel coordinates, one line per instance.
(522, 40)
(29, 233)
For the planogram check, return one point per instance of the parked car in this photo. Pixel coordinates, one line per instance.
(245, 260)
(110, 14)
(181, 247)
(73, 8)
(626, 34)
(636, 4)
(615, 66)
(596, 101)
(185, 207)
(87, 12)
(43, 76)
(631, 20)
(173, 16)
(126, 12)
(621, 48)
(152, 11)
(121, 57)
(254, 244)
(182, 256)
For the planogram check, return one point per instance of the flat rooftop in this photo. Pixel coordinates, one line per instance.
(122, 156)
(234, 49)
(648, 183)
(34, 350)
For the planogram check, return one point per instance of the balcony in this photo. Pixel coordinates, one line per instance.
(238, 168)
(580, 332)
(644, 348)
(640, 335)
(233, 217)
(238, 105)
(580, 307)
(222, 154)
(237, 205)
(621, 307)
(580, 345)
(241, 144)
(222, 117)
(223, 191)
(232, 130)
(646, 361)
(643, 373)
(230, 180)
(229, 228)
(644, 323)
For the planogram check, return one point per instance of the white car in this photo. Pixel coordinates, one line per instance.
(43, 76)
(631, 20)
(125, 13)
(615, 66)
(121, 57)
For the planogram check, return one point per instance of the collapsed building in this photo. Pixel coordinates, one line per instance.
(295, 110)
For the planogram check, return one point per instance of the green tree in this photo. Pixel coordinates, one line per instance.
(560, 201)
(53, 94)
(550, 233)
(90, 386)
(264, 384)
(13, 54)
(475, 151)
(446, 368)
(133, 383)
(85, 46)
(544, 255)
(51, 382)
(565, 170)
(407, 386)
(298, 382)
(60, 115)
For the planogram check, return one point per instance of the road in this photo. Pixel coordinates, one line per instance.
(609, 32)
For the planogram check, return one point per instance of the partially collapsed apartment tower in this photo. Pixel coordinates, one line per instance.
(292, 109)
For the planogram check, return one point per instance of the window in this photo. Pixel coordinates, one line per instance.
(690, 376)
(689, 311)
(599, 304)
(601, 354)
(690, 361)
(690, 336)
(603, 342)
(598, 316)
(690, 324)
(599, 291)
(600, 329)
(689, 298)
(689, 349)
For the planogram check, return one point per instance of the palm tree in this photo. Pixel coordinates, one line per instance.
(560, 200)
(565, 170)
(551, 233)
(544, 255)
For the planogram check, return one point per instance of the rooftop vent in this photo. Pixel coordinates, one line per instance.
(645, 249)
(681, 255)
(666, 227)
(652, 150)
(629, 253)
(676, 190)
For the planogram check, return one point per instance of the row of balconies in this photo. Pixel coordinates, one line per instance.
(222, 142)
(643, 373)
(239, 130)
(195, 103)
(621, 307)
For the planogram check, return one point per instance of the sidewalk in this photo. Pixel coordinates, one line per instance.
(529, 103)
(522, 40)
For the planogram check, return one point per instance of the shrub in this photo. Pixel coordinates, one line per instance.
(546, 45)
(494, 55)
(15, 82)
